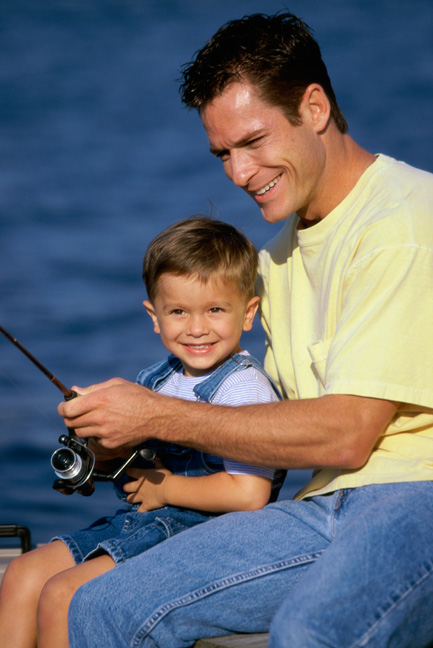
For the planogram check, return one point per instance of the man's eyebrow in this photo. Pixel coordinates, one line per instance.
(241, 142)
(217, 151)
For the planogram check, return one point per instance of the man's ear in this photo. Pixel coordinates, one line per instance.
(317, 108)
(151, 312)
(250, 311)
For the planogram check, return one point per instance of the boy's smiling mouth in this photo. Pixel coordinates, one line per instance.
(199, 347)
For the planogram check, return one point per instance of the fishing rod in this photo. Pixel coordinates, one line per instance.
(74, 464)
(68, 393)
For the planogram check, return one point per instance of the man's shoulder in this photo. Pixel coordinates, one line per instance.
(404, 179)
(398, 206)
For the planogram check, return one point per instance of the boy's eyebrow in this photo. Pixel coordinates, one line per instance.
(210, 304)
(243, 141)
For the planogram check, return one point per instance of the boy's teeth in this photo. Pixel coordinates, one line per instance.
(268, 186)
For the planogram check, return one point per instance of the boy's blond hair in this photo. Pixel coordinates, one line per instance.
(203, 247)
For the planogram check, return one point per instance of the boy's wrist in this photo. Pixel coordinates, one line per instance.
(164, 491)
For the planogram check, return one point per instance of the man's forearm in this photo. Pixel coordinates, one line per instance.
(330, 431)
(337, 430)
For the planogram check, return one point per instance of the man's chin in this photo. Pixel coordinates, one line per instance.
(272, 216)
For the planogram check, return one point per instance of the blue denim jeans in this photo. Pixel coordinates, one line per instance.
(129, 533)
(345, 570)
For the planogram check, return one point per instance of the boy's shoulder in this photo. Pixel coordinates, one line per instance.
(159, 371)
(247, 383)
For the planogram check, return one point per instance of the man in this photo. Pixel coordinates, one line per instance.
(347, 306)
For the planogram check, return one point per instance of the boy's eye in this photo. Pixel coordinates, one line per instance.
(177, 311)
(216, 309)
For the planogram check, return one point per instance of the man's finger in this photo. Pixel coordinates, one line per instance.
(103, 385)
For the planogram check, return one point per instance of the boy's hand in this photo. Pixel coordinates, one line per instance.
(147, 489)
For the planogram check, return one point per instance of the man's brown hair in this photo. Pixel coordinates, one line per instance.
(277, 54)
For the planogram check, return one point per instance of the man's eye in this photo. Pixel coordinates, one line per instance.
(255, 142)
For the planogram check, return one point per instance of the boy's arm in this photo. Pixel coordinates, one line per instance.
(217, 493)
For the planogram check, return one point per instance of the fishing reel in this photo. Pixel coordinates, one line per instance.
(74, 465)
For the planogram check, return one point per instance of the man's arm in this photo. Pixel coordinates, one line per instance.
(330, 431)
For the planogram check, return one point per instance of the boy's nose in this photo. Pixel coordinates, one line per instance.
(198, 326)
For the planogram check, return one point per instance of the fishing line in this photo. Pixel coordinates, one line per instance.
(56, 425)
(67, 393)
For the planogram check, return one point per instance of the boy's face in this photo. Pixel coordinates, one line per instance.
(200, 323)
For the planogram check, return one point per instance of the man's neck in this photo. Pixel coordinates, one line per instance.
(345, 164)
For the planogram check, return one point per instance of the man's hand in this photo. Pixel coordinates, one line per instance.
(111, 412)
(147, 489)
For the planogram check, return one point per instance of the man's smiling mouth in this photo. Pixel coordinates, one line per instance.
(269, 186)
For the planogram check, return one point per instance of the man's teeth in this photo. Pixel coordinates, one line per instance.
(268, 186)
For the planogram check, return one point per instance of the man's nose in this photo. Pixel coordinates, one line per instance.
(241, 167)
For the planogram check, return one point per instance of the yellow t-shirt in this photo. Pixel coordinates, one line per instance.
(347, 306)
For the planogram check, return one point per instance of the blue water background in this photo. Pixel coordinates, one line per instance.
(98, 155)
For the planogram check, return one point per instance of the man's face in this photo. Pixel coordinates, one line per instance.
(278, 164)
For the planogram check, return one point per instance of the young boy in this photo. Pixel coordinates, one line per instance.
(199, 275)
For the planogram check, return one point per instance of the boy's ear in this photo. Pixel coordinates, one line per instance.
(151, 312)
(250, 311)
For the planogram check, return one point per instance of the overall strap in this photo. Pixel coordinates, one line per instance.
(156, 376)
